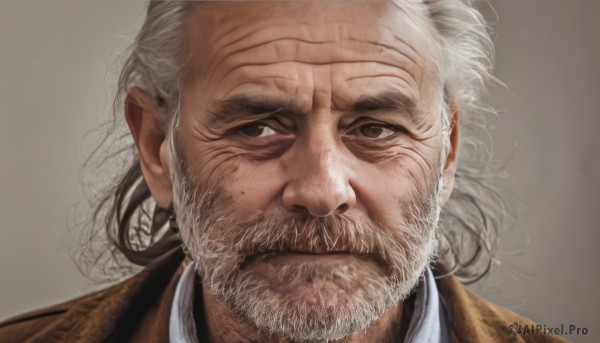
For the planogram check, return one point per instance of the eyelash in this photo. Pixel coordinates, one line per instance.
(362, 122)
(272, 123)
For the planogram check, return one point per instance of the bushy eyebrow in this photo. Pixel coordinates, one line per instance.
(387, 101)
(245, 107)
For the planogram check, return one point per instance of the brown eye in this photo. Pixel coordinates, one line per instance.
(257, 130)
(376, 131)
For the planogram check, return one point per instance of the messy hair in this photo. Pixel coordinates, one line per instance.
(138, 230)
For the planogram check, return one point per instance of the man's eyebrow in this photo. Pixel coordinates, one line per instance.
(387, 101)
(245, 107)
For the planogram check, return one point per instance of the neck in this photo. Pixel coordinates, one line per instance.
(224, 326)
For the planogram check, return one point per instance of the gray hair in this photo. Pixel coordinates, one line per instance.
(470, 223)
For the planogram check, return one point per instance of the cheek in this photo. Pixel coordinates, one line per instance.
(386, 189)
(248, 186)
(208, 164)
(255, 186)
(381, 189)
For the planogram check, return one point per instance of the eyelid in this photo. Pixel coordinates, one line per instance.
(362, 121)
(262, 147)
(281, 131)
(236, 127)
(273, 123)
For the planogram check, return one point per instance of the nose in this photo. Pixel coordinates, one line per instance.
(319, 182)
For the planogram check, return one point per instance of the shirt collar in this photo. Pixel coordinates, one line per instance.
(429, 321)
(182, 327)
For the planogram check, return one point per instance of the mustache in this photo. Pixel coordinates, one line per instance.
(215, 230)
(305, 234)
(341, 233)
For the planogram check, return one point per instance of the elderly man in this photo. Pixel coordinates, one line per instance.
(294, 159)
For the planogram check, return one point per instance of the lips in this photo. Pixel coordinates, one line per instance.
(309, 252)
(271, 253)
(322, 257)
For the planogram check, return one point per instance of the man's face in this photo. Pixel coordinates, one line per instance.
(310, 140)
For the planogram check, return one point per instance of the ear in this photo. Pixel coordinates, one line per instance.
(149, 133)
(450, 167)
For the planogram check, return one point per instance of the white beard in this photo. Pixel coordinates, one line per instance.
(336, 301)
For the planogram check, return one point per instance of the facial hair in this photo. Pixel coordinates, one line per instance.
(388, 261)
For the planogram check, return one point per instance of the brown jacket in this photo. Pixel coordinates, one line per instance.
(138, 309)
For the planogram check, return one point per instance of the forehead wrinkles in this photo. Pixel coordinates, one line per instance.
(229, 36)
(347, 31)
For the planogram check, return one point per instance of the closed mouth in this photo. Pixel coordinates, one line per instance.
(299, 252)
(266, 255)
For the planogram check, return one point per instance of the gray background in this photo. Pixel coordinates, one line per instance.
(56, 83)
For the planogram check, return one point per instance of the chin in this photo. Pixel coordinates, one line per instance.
(313, 301)
(329, 281)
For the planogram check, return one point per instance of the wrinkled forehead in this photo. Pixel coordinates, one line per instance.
(216, 26)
